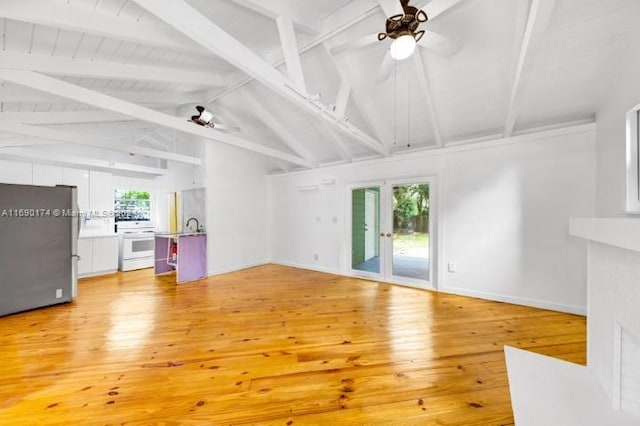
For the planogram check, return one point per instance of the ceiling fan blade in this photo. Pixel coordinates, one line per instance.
(391, 7)
(354, 44)
(226, 128)
(385, 68)
(437, 7)
(438, 44)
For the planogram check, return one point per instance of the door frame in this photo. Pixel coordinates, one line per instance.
(433, 246)
(386, 218)
(376, 220)
(349, 229)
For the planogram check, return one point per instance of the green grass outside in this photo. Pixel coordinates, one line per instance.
(409, 241)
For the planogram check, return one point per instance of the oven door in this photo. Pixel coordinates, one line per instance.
(136, 248)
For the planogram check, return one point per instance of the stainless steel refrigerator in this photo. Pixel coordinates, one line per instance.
(39, 229)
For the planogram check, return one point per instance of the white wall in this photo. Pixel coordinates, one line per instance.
(503, 213)
(237, 216)
(611, 140)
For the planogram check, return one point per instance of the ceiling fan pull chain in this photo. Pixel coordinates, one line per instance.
(395, 100)
(408, 110)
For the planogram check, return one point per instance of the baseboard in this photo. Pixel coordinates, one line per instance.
(236, 268)
(308, 267)
(534, 303)
(97, 274)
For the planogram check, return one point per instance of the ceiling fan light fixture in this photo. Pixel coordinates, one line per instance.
(206, 116)
(403, 47)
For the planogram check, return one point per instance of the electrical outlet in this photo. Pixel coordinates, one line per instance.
(451, 267)
(59, 293)
(316, 257)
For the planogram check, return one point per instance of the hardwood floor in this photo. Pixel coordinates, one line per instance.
(269, 345)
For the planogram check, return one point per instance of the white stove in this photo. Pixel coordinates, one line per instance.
(136, 245)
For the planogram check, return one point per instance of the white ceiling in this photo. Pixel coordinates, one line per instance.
(494, 84)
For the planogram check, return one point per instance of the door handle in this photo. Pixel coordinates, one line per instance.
(382, 234)
(389, 234)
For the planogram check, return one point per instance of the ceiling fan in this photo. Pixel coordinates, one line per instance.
(205, 119)
(403, 28)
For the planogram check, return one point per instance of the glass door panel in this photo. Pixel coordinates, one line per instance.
(410, 242)
(365, 228)
(390, 231)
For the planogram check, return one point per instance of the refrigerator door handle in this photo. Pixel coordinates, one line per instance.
(78, 225)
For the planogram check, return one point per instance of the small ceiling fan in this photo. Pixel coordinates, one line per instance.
(403, 28)
(205, 118)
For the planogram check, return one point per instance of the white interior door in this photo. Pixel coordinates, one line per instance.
(370, 234)
(364, 211)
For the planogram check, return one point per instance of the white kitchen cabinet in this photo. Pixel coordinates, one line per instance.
(85, 251)
(80, 179)
(101, 193)
(98, 255)
(105, 255)
(15, 172)
(45, 175)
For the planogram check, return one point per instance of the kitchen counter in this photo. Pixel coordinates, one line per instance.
(178, 234)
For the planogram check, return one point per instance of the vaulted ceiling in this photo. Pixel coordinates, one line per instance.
(303, 82)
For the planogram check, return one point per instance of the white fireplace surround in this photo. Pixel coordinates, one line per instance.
(545, 390)
(613, 306)
(626, 371)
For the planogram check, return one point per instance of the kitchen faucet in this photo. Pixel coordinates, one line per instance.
(197, 223)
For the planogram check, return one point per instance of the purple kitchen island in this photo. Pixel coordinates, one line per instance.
(184, 253)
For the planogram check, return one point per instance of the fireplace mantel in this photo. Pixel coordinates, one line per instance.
(619, 232)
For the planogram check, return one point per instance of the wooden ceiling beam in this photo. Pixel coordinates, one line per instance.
(369, 112)
(49, 157)
(342, 98)
(192, 23)
(80, 94)
(65, 117)
(109, 70)
(53, 136)
(16, 94)
(538, 19)
(290, 51)
(340, 145)
(262, 112)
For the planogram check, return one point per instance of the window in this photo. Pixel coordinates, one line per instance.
(132, 206)
(633, 160)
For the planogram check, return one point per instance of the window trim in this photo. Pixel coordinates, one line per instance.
(633, 160)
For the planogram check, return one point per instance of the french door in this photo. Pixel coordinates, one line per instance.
(390, 232)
